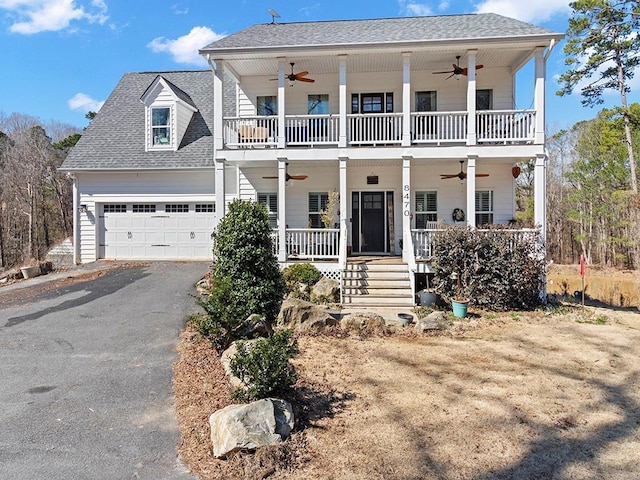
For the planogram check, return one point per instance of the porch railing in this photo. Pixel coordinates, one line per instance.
(312, 129)
(251, 131)
(309, 243)
(438, 127)
(505, 126)
(375, 128)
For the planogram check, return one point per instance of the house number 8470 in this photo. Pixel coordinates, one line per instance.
(406, 200)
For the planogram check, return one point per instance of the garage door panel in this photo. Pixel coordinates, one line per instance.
(149, 234)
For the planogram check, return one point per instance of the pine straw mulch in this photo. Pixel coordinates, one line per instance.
(201, 388)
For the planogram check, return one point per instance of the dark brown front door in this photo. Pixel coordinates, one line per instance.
(368, 221)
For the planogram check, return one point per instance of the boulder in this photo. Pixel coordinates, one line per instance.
(225, 360)
(304, 316)
(246, 427)
(326, 290)
(434, 321)
(363, 322)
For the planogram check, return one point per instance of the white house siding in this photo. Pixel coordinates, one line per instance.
(183, 117)
(96, 189)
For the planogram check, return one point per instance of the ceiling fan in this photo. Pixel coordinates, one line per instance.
(457, 69)
(300, 76)
(461, 175)
(292, 177)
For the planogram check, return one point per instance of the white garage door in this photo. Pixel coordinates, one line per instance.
(156, 230)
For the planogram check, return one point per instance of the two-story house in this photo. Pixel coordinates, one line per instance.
(410, 123)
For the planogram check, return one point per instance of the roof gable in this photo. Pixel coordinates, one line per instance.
(161, 84)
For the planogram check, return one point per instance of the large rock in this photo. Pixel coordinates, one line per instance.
(247, 427)
(434, 321)
(326, 290)
(304, 316)
(364, 322)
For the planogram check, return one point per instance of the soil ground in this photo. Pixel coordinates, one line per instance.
(553, 395)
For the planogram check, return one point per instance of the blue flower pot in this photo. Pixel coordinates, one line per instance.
(459, 308)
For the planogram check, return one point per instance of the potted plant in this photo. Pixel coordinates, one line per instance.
(459, 302)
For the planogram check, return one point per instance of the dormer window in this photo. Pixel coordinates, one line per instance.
(168, 112)
(161, 126)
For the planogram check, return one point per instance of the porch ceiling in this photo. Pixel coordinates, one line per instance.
(363, 62)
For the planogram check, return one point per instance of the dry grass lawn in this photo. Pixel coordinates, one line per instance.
(519, 396)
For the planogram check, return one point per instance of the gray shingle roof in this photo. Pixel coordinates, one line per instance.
(385, 30)
(116, 137)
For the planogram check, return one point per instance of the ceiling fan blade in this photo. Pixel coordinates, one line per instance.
(270, 177)
(301, 74)
(273, 79)
(445, 176)
(448, 71)
(478, 67)
(298, 177)
(305, 79)
(482, 174)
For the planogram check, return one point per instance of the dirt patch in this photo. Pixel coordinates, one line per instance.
(515, 396)
(617, 288)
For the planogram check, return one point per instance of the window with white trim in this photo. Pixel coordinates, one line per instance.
(115, 208)
(144, 208)
(267, 105)
(160, 126)
(484, 207)
(426, 208)
(484, 99)
(205, 208)
(317, 203)
(270, 200)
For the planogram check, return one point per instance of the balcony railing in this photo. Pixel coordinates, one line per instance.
(312, 129)
(427, 128)
(506, 126)
(375, 128)
(251, 131)
(309, 243)
(438, 127)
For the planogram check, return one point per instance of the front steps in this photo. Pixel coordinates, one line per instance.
(377, 282)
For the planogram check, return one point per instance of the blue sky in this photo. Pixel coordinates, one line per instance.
(62, 58)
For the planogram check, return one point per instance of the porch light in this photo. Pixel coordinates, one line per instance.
(83, 208)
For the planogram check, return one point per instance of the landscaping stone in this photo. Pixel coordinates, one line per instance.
(246, 427)
(225, 360)
(363, 322)
(326, 290)
(434, 321)
(304, 316)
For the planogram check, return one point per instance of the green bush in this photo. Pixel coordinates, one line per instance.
(246, 278)
(498, 269)
(264, 366)
(300, 274)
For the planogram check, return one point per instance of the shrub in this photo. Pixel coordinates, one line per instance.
(264, 367)
(246, 278)
(300, 273)
(498, 269)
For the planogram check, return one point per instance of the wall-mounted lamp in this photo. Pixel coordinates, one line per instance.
(83, 208)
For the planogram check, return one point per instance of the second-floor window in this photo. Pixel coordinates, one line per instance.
(161, 126)
(372, 102)
(484, 207)
(484, 99)
(317, 203)
(426, 101)
(426, 209)
(267, 105)
(318, 104)
(270, 200)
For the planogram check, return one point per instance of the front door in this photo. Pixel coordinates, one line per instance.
(372, 214)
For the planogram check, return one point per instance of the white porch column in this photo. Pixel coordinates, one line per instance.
(344, 215)
(281, 104)
(406, 99)
(342, 139)
(540, 195)
(221, 207)
(540, 72)
(282, 209)
(407, 253)
(471, 191)
(218, 105)
(472, 136)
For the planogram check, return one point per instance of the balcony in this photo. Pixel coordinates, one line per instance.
(495, 127)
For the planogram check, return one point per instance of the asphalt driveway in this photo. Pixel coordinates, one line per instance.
(85, 374)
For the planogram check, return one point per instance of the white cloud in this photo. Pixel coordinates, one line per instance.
(413, 8)
(84, 103)
(185, 49)
(35, 16)
(539, 11)
(179, 9)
